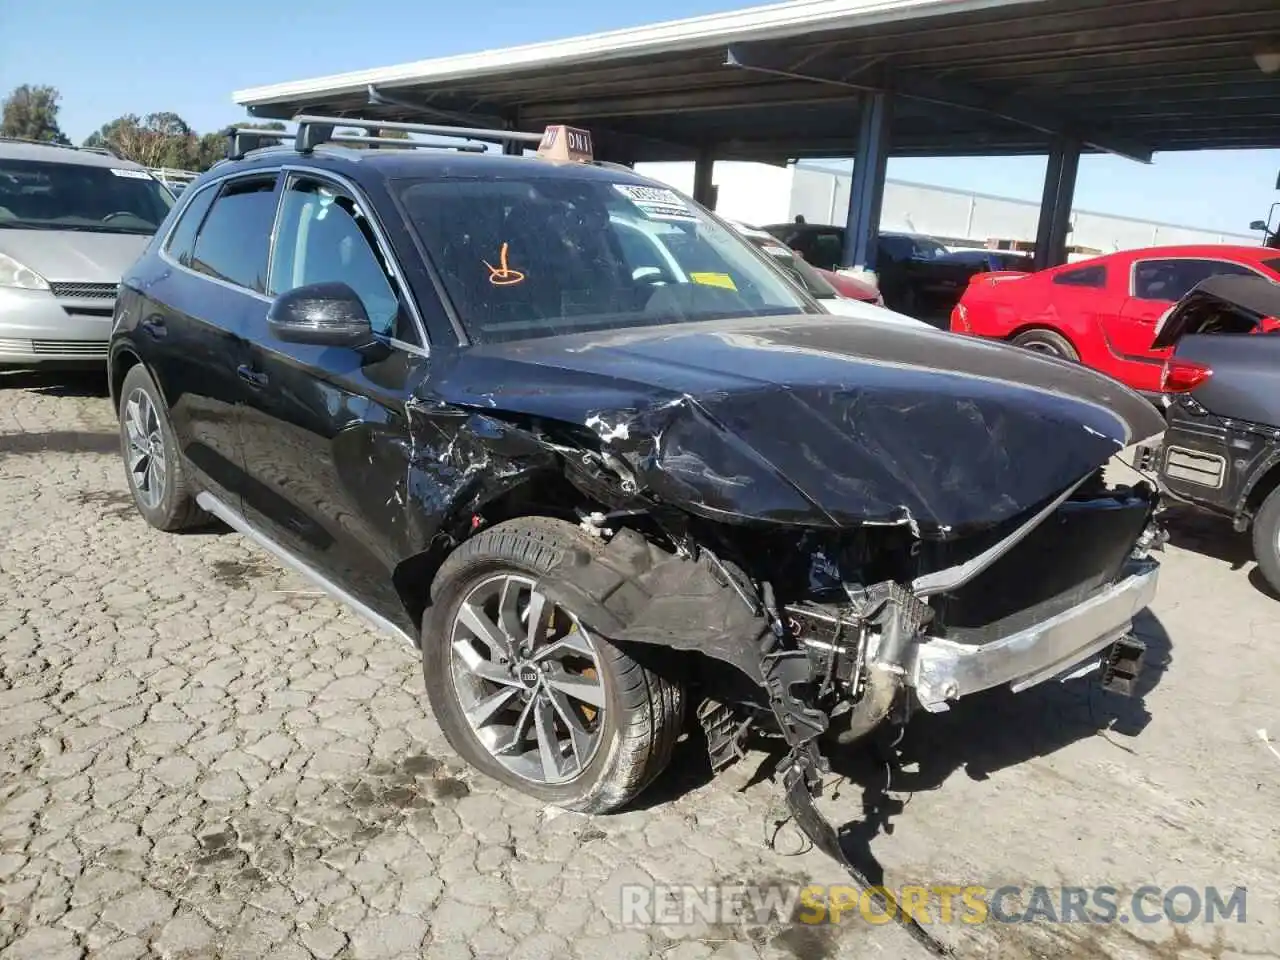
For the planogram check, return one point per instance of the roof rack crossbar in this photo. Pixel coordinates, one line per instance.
(474, 133)
(240, 140)
(392, 141)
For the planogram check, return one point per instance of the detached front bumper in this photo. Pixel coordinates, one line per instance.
(942, 670)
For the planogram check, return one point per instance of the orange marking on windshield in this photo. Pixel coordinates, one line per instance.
(502, 275)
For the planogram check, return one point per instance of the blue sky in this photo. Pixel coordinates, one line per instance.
(144, 56)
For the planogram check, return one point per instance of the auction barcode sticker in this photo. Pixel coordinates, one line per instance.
(131, 174)
(657, 203)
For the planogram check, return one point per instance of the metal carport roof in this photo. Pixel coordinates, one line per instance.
(784, 81)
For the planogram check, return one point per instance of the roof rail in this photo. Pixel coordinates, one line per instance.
(315, 130)
(105, 151)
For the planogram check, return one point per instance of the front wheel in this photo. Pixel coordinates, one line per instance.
(528, 693)
(1266, 539)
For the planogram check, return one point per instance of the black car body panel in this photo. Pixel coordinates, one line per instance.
(368, 465)
(1222, 447)
(815, 421)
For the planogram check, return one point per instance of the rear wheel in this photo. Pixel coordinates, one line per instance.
(1047, 342)
(1266, 539)
(153, 463)
(526, 692)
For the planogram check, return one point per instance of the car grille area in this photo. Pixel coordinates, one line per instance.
(84, 291)
(1078, 549)
(70, 349)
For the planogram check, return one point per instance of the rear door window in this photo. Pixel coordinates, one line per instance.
(1172, 279)
(233, 241)
(182, 240)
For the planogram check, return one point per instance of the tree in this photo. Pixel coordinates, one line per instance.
(211, 149)
(31, 113)
(158, 140)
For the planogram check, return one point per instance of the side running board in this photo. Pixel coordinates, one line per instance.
(213, 505)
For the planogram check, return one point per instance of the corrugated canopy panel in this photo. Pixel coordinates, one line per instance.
(784, 81)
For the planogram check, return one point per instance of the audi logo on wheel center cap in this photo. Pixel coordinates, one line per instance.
(528, 675)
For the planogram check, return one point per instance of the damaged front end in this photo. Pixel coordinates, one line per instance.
(816, 649)
(821, 538)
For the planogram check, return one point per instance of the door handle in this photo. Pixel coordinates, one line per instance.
(154, 327)
(255, 378)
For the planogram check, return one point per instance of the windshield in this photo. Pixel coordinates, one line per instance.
(539, 257)
(38, 195)
(810, 280)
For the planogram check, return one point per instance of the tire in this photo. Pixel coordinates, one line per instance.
(1047, 342)
(163, 496)
(1266, 539)
(641, 711)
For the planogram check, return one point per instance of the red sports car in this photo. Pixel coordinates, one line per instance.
(1103, 312)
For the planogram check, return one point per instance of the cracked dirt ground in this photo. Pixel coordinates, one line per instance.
(201, 757)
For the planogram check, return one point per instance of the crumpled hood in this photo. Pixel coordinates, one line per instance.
(819, 420)
(74, 255)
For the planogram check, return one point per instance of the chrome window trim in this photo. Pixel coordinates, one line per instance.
(163, 252)
(1133, 272)
(291, 170)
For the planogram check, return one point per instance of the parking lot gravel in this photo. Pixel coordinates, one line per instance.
(201, 756)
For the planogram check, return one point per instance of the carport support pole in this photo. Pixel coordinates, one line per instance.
(704, 192)
(866, 193)
(1055, 204)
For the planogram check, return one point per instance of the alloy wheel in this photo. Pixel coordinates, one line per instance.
(527, 677)
(146, 448)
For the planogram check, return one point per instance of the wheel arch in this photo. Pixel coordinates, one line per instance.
(123, 359)
(1261, 486)
(548, 495)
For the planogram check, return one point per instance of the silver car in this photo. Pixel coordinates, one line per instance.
(71, 222)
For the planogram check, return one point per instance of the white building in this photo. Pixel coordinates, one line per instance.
(758, 193)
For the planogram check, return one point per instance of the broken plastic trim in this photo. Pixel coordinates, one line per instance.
(802, 784)
(943, 581)
(636, 592)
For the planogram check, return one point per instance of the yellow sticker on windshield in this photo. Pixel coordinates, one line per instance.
(714, 280)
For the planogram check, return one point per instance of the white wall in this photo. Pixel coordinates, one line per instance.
(752, 193)
(822, 196)
(758, 193)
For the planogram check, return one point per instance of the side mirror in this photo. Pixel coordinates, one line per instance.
(1258, 225)
(324, 314)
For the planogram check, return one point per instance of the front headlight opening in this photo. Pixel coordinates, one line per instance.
(15, 274)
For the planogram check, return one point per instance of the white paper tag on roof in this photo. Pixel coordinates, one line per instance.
(131, 174)
(657, 203)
